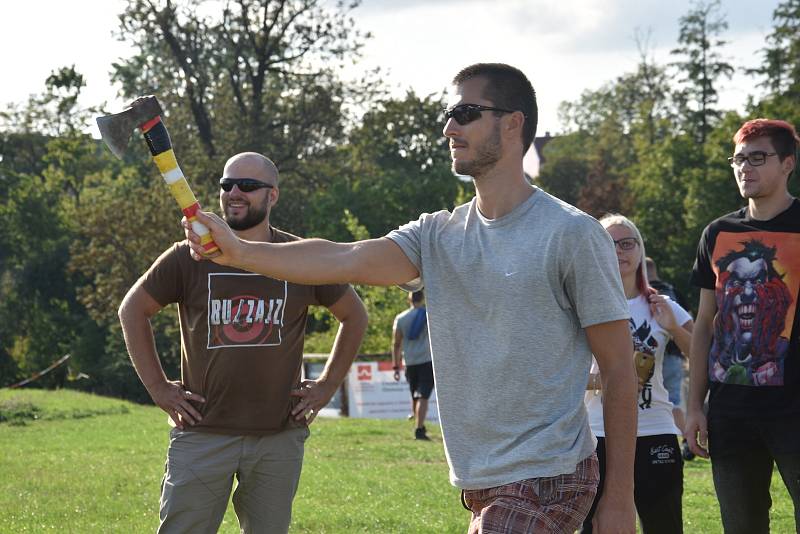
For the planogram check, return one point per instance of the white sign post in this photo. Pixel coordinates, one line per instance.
(373, 393)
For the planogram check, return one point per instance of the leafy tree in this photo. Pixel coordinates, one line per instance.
(37, 303)
(44, 156)
(567, 166)
(54, 112)
(780, 67)
(258, 75)
(395, 166)
(701, 66)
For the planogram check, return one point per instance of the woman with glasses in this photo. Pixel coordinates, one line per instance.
(655, 319)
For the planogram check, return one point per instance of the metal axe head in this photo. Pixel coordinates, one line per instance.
(116, 129)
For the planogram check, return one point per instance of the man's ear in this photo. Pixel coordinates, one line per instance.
(514, 123)
(274, 193)
(788, 164)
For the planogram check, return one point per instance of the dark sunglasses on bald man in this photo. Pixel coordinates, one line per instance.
(245, 185)
(466, 113)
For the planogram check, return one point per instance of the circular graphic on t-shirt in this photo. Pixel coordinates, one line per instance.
(247, 325)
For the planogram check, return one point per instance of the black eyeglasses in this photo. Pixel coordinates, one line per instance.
(626, 243)
(755, 159)
(466, 113)
(245, 185)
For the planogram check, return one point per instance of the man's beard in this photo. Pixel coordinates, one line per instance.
(488, 154)
(253, 217)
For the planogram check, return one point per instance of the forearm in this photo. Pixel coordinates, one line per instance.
(345, 346)
(698, 368)
(141, 346)
(683, 338)
(318, 261)
(619, 416)
(613, 350)
(308, 261)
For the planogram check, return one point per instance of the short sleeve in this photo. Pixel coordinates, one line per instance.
(703, 275)
(163, 280)
(681, 315)
(592, 281)
(409, 238)
(328, 295)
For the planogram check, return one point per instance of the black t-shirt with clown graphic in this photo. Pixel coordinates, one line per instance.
(754, 269)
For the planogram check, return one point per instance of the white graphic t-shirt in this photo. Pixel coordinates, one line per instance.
(655, 409)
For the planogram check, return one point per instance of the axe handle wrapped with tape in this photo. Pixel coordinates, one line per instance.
(157, 137)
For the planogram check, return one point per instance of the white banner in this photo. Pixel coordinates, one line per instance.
(373, 393)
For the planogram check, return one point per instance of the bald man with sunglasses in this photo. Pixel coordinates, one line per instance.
(240, 408)
(521, 289)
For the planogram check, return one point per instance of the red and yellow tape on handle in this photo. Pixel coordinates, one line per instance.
(157, 137)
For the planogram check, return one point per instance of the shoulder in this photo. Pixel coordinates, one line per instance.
(565, 216)
(178, 252)
(732, 218)
(639, 305)
(402, 315)
(433, 223)
(459, 213)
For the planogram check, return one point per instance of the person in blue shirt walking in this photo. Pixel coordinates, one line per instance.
(410, 334)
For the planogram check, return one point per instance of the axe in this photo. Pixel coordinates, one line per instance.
(145, 113)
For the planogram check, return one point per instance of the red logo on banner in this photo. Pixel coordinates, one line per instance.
(364, 372)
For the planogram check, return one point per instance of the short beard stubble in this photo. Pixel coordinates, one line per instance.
(488, 154)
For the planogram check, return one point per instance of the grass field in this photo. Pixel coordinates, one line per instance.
(73, 462)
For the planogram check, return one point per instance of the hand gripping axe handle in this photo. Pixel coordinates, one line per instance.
(145, 113)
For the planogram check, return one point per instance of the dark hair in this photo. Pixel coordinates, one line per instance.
(417, 296)
(753, 250)
(507, 87)
(782, 135)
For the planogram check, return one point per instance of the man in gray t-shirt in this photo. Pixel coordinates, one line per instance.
(410, 343)
(522, 289)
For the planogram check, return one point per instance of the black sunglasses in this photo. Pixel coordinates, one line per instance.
(466, 113)
(245, 185)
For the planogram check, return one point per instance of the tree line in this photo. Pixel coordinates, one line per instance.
(80, 226)
(652, 143)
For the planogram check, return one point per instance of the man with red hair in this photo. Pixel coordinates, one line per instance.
(746, 339)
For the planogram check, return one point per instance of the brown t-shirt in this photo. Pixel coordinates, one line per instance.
(241, 338)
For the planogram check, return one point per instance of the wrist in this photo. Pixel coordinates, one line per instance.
(694, 409)
(673, 331)
(237, 251)
(154, 385)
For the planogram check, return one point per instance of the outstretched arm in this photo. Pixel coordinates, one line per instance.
(134, 315)
(612, 348)
(316, 394)
(378, 262)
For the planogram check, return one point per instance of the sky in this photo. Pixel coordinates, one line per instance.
(564, 46)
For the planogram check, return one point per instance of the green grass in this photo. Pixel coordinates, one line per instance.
(79, 463)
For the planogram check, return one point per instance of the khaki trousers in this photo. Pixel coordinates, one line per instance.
(199, 474)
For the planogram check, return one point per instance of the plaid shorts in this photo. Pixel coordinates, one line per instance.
(551, 504)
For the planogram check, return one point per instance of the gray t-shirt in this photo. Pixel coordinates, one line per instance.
(507, 302)
(415, 351)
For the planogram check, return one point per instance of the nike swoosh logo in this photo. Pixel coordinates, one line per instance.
(511, 274)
